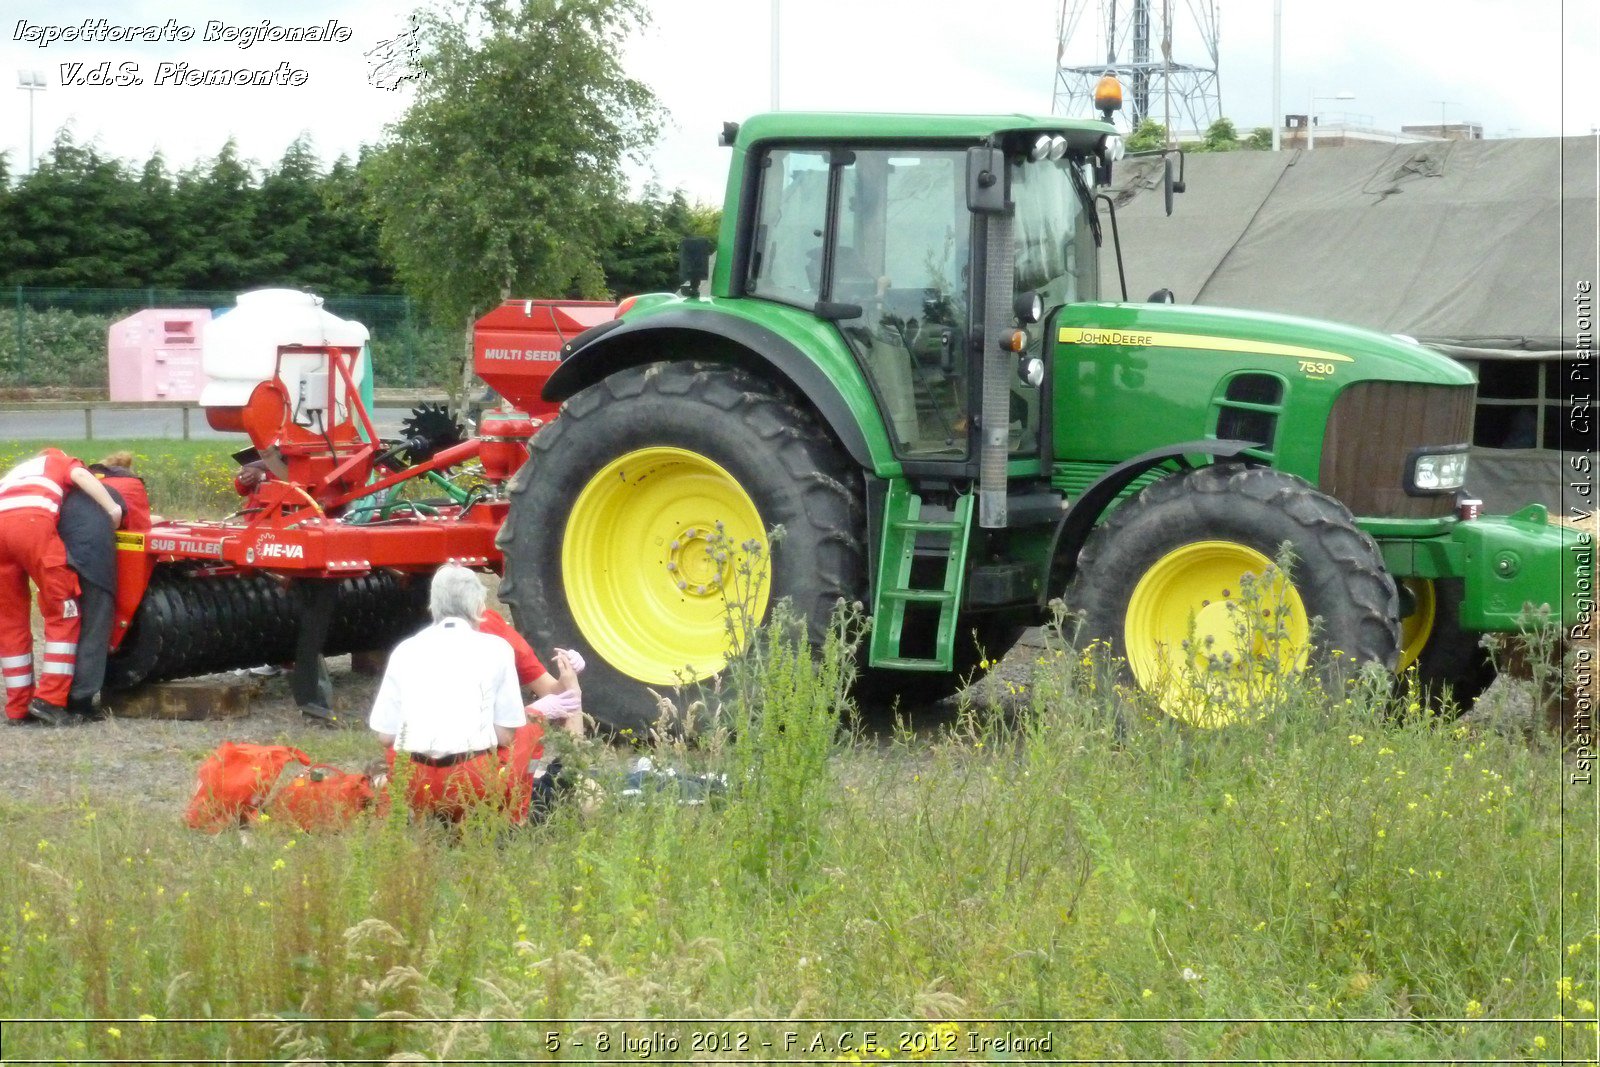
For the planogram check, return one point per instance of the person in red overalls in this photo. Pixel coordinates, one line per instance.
(557, 700)
(557, 697)
(30, 501)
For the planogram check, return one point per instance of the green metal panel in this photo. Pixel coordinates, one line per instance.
(1074, 478)
(1520, 560)
(1133, 377)
(1410, 556)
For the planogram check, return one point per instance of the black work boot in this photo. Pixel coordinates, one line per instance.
(320, 715)
(48, 713)
(85, 709)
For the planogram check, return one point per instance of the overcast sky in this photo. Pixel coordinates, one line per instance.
(1520, 69)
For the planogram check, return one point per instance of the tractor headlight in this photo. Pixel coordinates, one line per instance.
(1433, 470)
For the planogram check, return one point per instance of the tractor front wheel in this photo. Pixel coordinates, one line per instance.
(1453, 668)
(1182, 582)
(640, 530)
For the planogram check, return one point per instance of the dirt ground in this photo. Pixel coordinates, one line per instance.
(153, 762)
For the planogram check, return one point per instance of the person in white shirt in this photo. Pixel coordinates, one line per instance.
(449, 700)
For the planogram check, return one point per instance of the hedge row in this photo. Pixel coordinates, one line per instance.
(55, 348)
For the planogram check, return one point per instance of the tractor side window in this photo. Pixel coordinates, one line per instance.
(902, 241)
(786, 263)
(1055, 249)
(1056, 258)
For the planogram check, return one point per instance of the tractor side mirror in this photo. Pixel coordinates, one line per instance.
(1170, 184)
(1162, 296)
(986, 181)
(694, 262)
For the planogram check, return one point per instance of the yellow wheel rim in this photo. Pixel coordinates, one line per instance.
(1211, 628)
(656, 544)
(1417, 627)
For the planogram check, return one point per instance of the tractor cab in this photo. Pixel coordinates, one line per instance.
(894, 240)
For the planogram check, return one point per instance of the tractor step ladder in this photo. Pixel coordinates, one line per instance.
(901, 528)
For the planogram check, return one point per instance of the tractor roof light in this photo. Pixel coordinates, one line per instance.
(1028, 306)
(1108, 95)
(1058, 146)
(1040, 149)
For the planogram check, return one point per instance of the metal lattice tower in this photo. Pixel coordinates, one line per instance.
(1120, 42)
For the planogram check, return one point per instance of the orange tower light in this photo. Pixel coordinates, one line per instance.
(1108, 95)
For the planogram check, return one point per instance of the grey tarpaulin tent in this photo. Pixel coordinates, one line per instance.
(1472, 247)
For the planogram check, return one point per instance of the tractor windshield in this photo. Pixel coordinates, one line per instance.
(882, 238)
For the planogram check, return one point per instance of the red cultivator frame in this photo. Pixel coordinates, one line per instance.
(323, 555)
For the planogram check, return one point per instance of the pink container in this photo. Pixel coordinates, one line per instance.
(155, 355)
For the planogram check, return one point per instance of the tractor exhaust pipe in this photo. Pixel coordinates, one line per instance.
(986, 194)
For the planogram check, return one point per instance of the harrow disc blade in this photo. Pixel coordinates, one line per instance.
(188, 625)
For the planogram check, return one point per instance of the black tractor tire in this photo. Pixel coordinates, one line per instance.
(778, 453)
(1338, 570)
(1453, 668)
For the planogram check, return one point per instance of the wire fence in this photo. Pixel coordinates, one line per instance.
(57, 339)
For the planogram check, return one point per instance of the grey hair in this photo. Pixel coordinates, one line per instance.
(456, 593)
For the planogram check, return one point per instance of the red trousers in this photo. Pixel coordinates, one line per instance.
(30, 548)
(499, 779)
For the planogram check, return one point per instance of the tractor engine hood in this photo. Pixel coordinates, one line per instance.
(1305, 346)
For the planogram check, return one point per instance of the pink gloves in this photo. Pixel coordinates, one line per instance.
(558, 705)
(574, 659)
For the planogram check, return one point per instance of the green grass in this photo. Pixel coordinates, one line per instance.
(185, 479)
(1349, 861)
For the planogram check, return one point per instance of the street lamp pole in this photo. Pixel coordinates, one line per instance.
(33, 82)
(1442, 105)
(1277, 74)
(1311, 116)
(775, 54)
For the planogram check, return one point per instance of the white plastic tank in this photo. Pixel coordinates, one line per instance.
(240, 346)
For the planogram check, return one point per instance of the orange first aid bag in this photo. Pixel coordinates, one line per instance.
(324, 798)
(235, 781)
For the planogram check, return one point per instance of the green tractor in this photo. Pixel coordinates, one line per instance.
(903, 358)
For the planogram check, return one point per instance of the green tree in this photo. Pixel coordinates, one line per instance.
(1260, 139)
(643, 255)
(289, 221)
(218, 244)
(73, 221)
(505, 175)
(1221, 136)
(1147, 135)
(158, 220)
(350, 234)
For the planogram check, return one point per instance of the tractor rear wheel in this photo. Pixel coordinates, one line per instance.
(644, 511)
(1181, 583)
